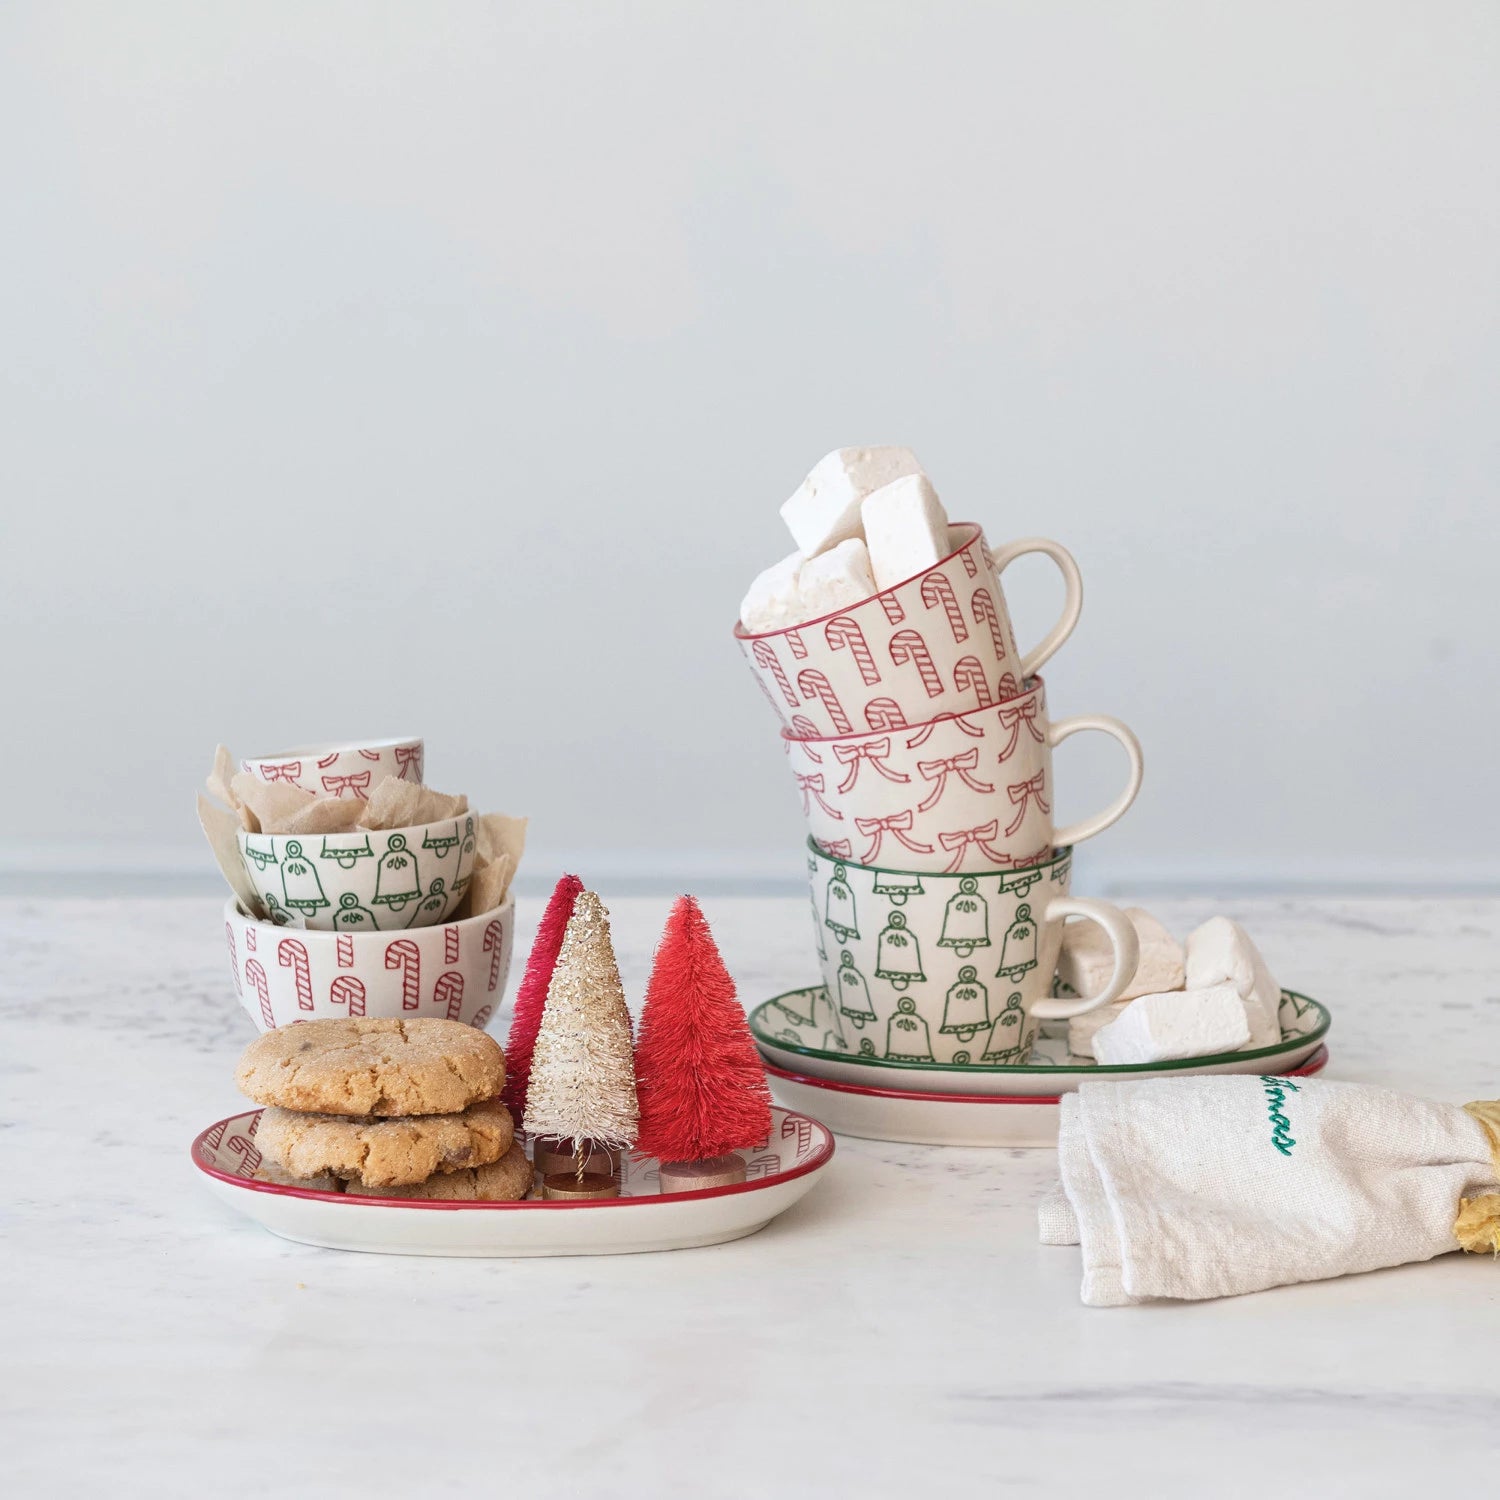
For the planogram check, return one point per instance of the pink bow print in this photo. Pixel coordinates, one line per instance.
(1013, 718)
(874, 751)
(981, 838)
(1023, 792)
(960, 766)
(357, 782)
(288, 770)
(897, 824)
(811, 788)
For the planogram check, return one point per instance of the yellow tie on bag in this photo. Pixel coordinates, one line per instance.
(1477, 1227)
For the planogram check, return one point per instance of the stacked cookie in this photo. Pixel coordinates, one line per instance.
(387, 1108)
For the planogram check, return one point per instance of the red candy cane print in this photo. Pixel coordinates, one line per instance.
(892, 607)
(1009, 687)
(482, 1017)
(255, 977)
(404, 954)
(214, 1138)
(291, 953)
(799, 648)
(983, 606)
(344, 946)
(346, 990)
(450, 945)
(765, 656)
(843, 634)
(936, 590)
(968, 677)
(250, 939)
(884, 713)
(908, 646)
(250, 1156)
(449, 991)
(815, 685)
(234, 960)
(804, 728)
(493, 936)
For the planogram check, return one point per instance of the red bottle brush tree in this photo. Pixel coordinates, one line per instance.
(531, 998)
(699, 1079)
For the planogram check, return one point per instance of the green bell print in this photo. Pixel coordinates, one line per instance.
(828, 1023)
(347, 849)
(351, 916)
(1018, 885)
(966, 1010)
(396, 879)
(276, 913)
(966, 919)
(1006, 1044)
(441, 843)
(897, 956)
(838, 906)
(854, 992)
(430, 907)
(897, 886)
(260, 855)
(907, 1038)
(465, 862)
(1018, 952)
(301, 889)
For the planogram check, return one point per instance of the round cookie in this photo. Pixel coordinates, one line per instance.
(372, 1065)
(385, 1153)
(505, 1181)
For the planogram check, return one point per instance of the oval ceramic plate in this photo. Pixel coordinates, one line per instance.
(778, 1174)
(939, 1119)
(790, 1030)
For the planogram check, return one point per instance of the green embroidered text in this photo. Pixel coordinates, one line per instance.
(1281, 1127)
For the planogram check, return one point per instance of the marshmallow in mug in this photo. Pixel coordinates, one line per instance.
(932, 969)
(825, 510)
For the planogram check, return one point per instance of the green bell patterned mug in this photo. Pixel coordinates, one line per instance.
(365, 880)
(950, 969)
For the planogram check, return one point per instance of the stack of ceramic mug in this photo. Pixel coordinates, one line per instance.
(921, 743)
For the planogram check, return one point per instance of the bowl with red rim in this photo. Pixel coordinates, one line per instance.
(779, 1172)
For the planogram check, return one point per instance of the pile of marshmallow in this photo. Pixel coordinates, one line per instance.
(1212, 995)
(864, 520)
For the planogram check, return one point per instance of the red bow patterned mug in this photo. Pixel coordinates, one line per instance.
(940, 643)
(960, 794)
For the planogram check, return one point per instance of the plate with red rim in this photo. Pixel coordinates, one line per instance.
(925, 1119)
(796, 1033)
(642, 1218)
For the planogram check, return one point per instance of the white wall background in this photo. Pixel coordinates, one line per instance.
(377, 367)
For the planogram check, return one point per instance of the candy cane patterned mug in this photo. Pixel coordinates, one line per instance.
(344, 770)
(456, 971)
(364, 880)
(940, 643)
(928, 969)
(962, 794)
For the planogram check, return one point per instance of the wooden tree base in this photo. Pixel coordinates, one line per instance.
(694, 1176)
(549, 1155)
(564, 1187)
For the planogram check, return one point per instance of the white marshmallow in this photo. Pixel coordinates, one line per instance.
(1220, 952)
(772, 601)
(1082, 1029)
(834, 580)
(1177, 1024)
(1087, 958)
(825, 509)
(906, 530)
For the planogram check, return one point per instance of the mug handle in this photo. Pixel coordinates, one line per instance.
(1122, 939)
(1076, 833)
(1046, 648)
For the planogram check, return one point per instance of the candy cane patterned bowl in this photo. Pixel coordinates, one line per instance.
(350, 769)
(365, 880)
(940, 643)
(778, 1174)
(963, 794)
(950, 969)
(457, 970)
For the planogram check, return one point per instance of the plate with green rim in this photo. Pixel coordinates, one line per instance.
(791, 1029)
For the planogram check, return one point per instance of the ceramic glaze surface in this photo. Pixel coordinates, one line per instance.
(897, 1333)
(349, 770)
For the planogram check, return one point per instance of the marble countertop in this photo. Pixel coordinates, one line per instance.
(899, 1331)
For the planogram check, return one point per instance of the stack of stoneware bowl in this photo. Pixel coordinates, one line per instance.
(366, 922)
